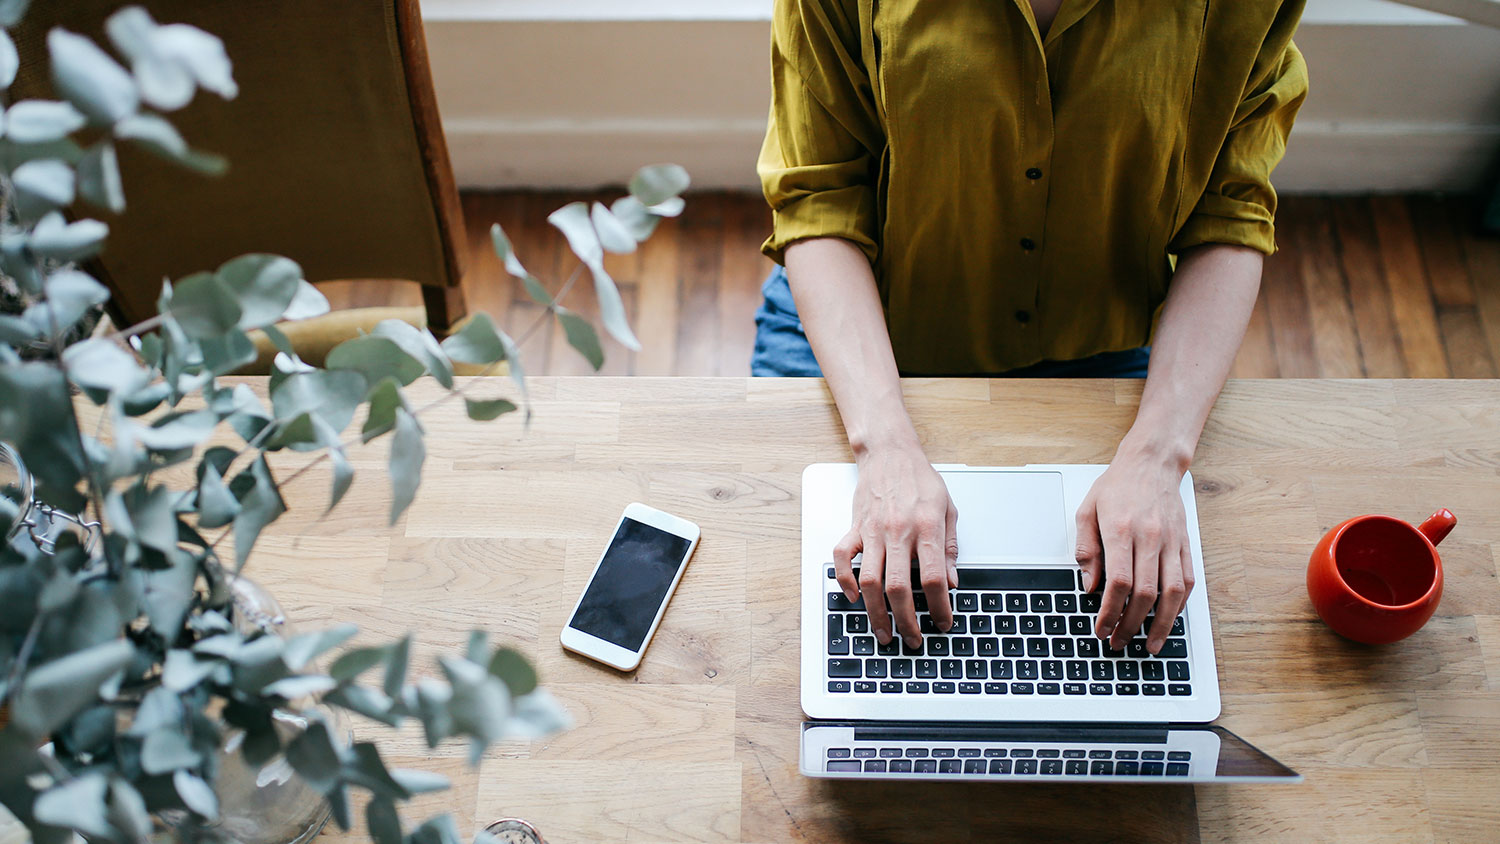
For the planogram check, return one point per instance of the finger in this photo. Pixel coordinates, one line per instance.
(1148, 562)
(1118, 565)
(872, 586)
(898, 592)
(1090, 550)
(950, 544)
(1189, 574)
(843, 563)
(1169, 603)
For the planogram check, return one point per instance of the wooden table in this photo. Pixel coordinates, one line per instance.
(1399, 743)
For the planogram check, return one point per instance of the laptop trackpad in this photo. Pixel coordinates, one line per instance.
(1010, 516)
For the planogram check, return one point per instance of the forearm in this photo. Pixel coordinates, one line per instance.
(1202, 324)
(839, 305)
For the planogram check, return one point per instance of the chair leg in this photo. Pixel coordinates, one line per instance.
(445, 308)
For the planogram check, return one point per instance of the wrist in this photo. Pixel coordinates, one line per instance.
(865, 441)
(1171, 451)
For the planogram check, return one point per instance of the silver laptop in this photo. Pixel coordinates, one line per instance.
(1020, 688)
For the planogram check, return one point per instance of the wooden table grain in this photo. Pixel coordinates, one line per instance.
(1398, 743)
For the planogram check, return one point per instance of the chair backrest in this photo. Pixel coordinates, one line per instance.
(336, 154)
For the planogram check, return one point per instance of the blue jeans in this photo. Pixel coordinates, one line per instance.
(781, 347)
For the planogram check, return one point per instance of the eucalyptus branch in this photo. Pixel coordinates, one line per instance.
(23, 656)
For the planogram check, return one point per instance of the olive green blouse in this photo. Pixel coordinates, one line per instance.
(1022, 198)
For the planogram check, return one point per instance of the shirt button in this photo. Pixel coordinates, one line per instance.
(1023, 317)
(1033, 174)
(1028, 244)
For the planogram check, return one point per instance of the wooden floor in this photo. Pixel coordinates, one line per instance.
(1380, 287)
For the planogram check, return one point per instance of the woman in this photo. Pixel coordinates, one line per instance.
(1022, 187)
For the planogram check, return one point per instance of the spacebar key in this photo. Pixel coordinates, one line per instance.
(1050, 580)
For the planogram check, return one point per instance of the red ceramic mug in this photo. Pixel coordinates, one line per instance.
(1377, 579)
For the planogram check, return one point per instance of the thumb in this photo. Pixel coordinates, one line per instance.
(1090, 549)
(950, 545)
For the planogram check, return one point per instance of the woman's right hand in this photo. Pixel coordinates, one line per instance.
(901, 510)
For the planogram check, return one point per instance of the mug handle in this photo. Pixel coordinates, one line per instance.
(1438, 525)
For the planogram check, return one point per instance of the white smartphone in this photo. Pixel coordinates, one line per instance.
(627, 595)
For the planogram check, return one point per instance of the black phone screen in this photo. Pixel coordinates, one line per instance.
(630, 584)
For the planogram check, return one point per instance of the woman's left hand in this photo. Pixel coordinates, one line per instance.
(1132, 535)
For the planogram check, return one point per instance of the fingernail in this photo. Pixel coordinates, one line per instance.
(883, 635)
(913, 642)
(1153, 645)
(953, 575)
(851, 595)
(1088, 582)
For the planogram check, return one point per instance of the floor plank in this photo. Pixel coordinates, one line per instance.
(1384, 287)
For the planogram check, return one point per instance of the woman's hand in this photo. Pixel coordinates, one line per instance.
(901, 509)
(1132, 535)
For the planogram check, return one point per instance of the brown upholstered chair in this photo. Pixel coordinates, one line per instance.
(336, 156)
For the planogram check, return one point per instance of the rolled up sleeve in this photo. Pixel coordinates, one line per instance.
(1238, 205)
(818, 164)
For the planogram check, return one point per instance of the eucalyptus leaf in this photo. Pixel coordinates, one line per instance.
(365, 768)
(90, 79)
(70, 295)
(55, 238)
(41, 121)
(18, 332)
(657, 183)
(11, 11)
(420, 345)
(227, 352)
(104, 365)
(41, 186)
(10, 60)
(99, 177)
(581, 336)
(55, 691)
(438, 830)
(396, 659)
(376, 358)
(159, 137)
(216, 507)
(371, 703)
(303, 649)
(204, 305)
(506, 252)
(316, 756)
(343, 471)
(640, 222)
(333, 396)
(308, 303)
(614, 235)
(537, 291)
(353, 663)
(178, 430)
(167, 749)
(512, 669)
(127, 812)
(483, 410)
(407, 455)
(161, 707)
(78, 803)
(573, 221)
(671, 208)
(480, 703)
(384, 400)
(478, 342)
(168, 594)
(196, 794)
(259, 506)
(264, 285)
(36, 417)
(612, 309)
(536, 715)
(300, 686)
(419, 782)
(383, 821)
(182, 670)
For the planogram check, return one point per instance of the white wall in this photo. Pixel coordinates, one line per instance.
(577, 93)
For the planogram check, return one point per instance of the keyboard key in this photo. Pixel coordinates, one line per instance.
(835, 625)
(1077, 669)
(875, 766)
(952, 669)
(974, 766)
(951, 766)
(1100, 754)
(1062, 647)
(1177, 671)
(1089, 602)
(1031, 625)
(1127, 769)
(1041, 603)
(927, 668)
(976, 669)
(1177, 769)
(963, 646)
(838, 645)
(937, 646)
(1137, 649)
(1127, 754)
(1021, 753)
(1037, 646)
(1127, 689)
(1005, 624)
(857, 623)
(995, 688)
(1179, 756)
(1052, 766)
(1152, 670)
(1022, 689)
(1052, 669)
(1026, 669)
(900, 766)
(1035, 580)
(1088, 648)
(1012, 646)
(875, 668)
(1128, 671)
(1065, 603)
(916, 687)
(1103, 670)
(890, 648)
(1081, 625)
(844, 668)
(1153, 754)
(864, 645)
(960, 625)
(1154, 689)
(988, 646)
(1002, 669)
(831, 573)
(864, 753)
(980, 624)
(1075, 767)
(968, 753)
(1055, 625)
(838, 685)
(919, 600)
(1102, 768)
(864, 687)
(1073, 688)
(1152, 769)
(1047, 688)
(916, 752)
(890, 687)
(943, 752)
(943, 688)
(1015, 603)
(840, 767)
(890, 752)
(838, 753)
(990, 601)
(1048, 754)
(901, 668)
(837, 601)
(1073, 754)
(1179, 689)
(1111, 652)
(968, 688)
(1101, 689)
(994, 751)
(1173, 648)
(968, 602)
(1025, 766)
(1000, 766)
(927, 625)
(1177, 627)
(909, 650)
(925, 766)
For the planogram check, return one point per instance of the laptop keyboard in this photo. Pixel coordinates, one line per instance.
(1012, 761)
(1015, 632)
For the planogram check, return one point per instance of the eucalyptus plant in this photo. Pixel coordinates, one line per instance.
(125, 662)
